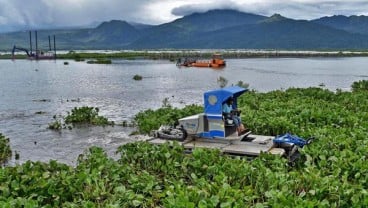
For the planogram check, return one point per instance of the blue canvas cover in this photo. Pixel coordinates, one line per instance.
(288, 138)
(214, 99)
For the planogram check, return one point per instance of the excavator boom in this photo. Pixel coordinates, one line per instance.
(20, 49)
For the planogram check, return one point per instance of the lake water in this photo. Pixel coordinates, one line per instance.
(50, 87)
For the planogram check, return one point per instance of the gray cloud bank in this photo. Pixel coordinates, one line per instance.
(297, 9)
(38, 13)
(56, 13)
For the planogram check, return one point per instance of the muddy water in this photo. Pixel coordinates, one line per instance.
(31, 93)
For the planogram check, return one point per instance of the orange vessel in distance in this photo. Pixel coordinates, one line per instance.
(216, 62)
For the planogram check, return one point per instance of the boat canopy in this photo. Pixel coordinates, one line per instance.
(213, 100)
(217, 56)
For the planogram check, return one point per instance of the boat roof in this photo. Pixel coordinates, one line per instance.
(214, 99)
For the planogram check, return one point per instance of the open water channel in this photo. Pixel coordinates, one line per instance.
(32, 92)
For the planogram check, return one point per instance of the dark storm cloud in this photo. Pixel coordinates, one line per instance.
(35, 13)
(46, 13)
(192, 8)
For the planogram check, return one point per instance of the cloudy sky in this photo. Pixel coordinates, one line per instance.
(31, 14)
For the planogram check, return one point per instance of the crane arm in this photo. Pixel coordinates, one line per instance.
(20, 49)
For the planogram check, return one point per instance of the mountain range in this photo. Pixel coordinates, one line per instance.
(215, 29)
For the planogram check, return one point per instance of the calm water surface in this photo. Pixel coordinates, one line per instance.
(50, 87)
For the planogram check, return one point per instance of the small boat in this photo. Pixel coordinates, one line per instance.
(216, 62)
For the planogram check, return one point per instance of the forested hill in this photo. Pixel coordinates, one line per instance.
(210, 30)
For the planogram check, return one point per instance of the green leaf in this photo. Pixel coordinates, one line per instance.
(46, 174)
(225, 204)
(312, 192)
(136, 203)
(193, 176)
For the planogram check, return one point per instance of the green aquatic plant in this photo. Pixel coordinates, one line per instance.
(360, 85)
(5, 151)
(99, 61)
(166, 103)
(149, 175)
(86, 115)
(152, 119)
(222, 81)
(17, 155)
(56, 125)
(137, 77)
(332, 172)
(79, 115)
(79, 59)
(338, 122)
(242, 84)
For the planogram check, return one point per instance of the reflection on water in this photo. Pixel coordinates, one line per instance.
(32, 92)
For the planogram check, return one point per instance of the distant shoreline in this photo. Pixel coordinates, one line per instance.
(175, 54)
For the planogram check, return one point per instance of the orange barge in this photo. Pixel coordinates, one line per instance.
(216, 62)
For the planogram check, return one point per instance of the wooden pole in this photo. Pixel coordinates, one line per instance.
(49, 43)
(54, 47)
(30, 42)
(36, 45)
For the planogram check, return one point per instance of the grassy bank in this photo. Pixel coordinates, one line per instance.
(175, 54)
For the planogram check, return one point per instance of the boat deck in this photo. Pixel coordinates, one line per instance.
(252, 145)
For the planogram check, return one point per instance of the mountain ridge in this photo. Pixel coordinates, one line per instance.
(212, 29)
(353, 23)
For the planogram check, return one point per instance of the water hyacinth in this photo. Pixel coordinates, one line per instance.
(332, 171)
(86, 115)
(5, 151)
(79, 115)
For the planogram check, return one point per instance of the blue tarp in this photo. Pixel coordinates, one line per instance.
(288, 138)
(214, 99)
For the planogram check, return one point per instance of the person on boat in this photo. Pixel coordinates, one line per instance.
(234, 114)
(178, 62)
